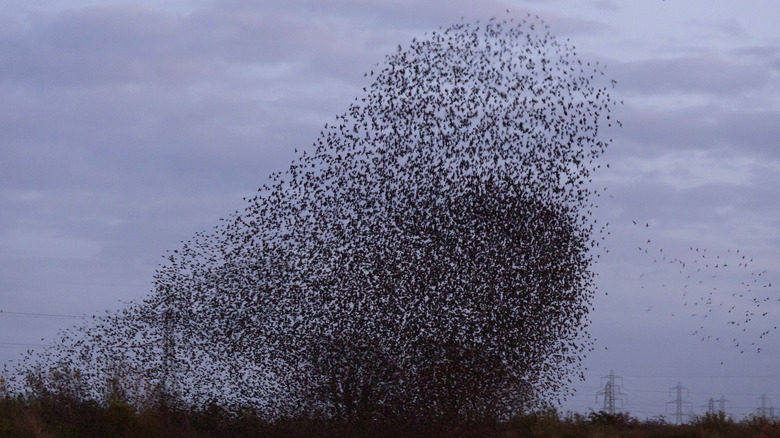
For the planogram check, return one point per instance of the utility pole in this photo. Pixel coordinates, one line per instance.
(679, 402)
(611, 392)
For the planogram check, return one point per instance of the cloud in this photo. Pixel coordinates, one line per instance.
(97, 45)
(713, 75)
(689, 169)
(126, 127)
(704, 125)
(102, 95)
(607, 5)
(34, 244)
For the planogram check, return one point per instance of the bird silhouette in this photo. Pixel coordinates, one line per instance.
(717, 281)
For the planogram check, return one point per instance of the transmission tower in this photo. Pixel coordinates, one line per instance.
(715, 406)
(679, 402)
(611, 392)
(710, 406)
(3, 384)
(763, 411)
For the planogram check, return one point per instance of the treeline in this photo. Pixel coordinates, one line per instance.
(60, 416)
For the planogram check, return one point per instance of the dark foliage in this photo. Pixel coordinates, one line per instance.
(429, 261)
(62, 417)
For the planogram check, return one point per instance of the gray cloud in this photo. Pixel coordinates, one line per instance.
(710, 74)
(707, 126)
(126, 128)
(94, 46)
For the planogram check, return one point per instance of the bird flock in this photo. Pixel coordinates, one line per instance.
(726, 292)
(430, 256)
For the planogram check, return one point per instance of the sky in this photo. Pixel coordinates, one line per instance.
(128, 126)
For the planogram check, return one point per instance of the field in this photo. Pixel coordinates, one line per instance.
(49, 417)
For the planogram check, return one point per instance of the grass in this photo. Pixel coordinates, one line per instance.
(62, 417)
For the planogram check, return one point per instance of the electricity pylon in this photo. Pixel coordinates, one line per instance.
(710, 406)
(679, 402)
(721, 404)
(611, 392)
(763, 411)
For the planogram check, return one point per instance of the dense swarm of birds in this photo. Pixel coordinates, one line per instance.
(431, 257)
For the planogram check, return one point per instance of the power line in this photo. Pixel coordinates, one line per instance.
(59, 281)
(715, 402)
(679, 402)
(38, 315)
(21, 345)
(710, 406)
(763, 411)
(722, 404)
(610, 392)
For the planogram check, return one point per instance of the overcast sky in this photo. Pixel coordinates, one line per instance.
(127, 126)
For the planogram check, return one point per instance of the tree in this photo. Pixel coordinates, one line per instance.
(430, 260)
